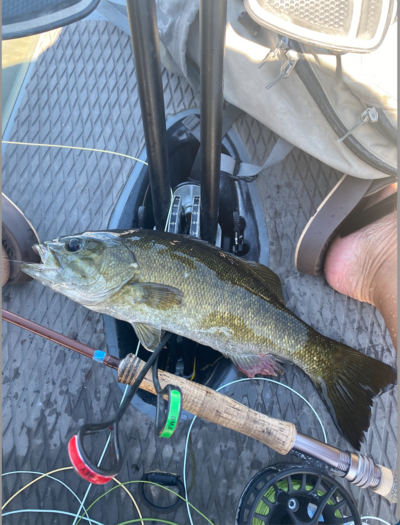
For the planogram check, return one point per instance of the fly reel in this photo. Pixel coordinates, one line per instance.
(294, 495)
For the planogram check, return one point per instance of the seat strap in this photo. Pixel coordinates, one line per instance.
(192, 124)
(235, 169)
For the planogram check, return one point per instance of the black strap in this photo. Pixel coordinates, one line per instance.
(229, 116)
(359, 219)
(168, 480)
(115, 457)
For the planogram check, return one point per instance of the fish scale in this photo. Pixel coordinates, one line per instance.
(159, 282)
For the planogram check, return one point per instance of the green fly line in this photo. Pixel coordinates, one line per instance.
(263, 510)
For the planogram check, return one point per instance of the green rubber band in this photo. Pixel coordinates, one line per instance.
(173, 414)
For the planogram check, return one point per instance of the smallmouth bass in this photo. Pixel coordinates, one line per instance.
(161, 282)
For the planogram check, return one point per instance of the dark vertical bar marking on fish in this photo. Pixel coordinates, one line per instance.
(146, 51)
(212, 46)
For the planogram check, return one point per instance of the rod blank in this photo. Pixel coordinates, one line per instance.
(58, 338)
(282, 436)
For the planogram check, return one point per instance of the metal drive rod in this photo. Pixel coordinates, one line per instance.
(146, 51)
(212, 45)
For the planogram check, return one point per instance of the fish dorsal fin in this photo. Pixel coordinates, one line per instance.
(156, 295)
(269, 277)
(149, 336)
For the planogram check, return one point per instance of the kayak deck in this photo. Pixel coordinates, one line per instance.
(82, 92)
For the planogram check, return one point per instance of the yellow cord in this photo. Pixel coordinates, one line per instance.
(132, 498)
(120, 155)
(194, 369)
(32, 482)
(70, 468)
(74, 147)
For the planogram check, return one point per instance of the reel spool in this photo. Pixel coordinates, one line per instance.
(294, 495)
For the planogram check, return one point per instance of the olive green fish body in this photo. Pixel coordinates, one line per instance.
(224, 304)
(163, 282)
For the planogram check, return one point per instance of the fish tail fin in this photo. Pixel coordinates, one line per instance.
(348, 391)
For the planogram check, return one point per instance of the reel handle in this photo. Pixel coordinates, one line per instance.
(388, 484)
(82, 463)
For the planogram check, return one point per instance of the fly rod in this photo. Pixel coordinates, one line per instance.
(212, 406)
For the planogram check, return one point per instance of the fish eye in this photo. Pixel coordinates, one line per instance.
(73, 245)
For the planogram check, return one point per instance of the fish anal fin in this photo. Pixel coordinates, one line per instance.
(251, 365)
(269, 277)
(158, 296)
(149, 336)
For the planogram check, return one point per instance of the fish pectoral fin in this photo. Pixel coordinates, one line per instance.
(149, 336)
(269, 277)
(251, 365)
(158, 296)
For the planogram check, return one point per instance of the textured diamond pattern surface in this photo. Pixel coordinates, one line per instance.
(83, 92)
(290, 194)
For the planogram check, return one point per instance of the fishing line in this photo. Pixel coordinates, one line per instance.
(220, 388)
(150, 483)
(100, 460)
(34, 481)
(372, 518)
(170, 207)
(37, 479)
(136, 353)
(12, 260)
(138, 346)
(137, 349)
(74, 147)
(49, 511)
(149, 519)
(126, 387)
(122, 485)
(194, 369)
(65, 485)
(86, 511)
(132, 498)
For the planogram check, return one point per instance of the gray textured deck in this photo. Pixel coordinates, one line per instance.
(82, 92)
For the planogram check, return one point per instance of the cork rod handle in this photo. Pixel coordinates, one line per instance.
(217, 408)
(388, 484)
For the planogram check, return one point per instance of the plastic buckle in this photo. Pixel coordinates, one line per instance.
(236, 169)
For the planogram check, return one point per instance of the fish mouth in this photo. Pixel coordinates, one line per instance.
(45, 255)
(36, 248)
